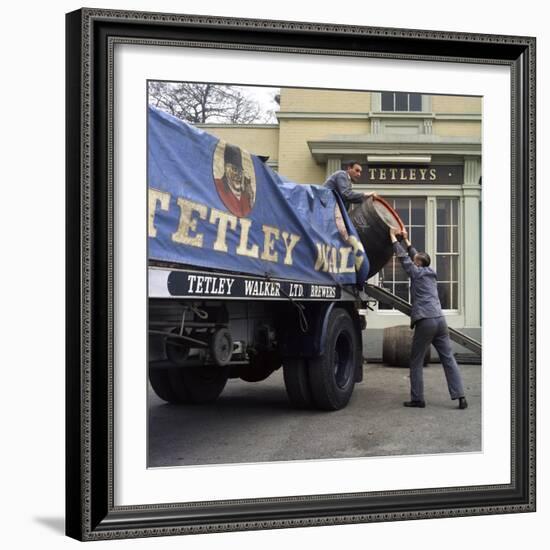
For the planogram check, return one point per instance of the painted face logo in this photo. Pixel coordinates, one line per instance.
(235, 178)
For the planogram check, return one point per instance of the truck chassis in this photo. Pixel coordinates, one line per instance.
(206, 327)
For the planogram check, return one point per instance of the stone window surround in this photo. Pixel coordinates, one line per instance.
(419, 122)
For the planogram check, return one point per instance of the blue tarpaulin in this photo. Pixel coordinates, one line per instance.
(214, 205)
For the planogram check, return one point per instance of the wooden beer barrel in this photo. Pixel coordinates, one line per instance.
(372, 219)
(397, 345)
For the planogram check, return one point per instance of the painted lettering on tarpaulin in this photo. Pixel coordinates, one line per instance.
(211, 204)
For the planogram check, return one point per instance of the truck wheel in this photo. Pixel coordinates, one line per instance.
(198, 384)
(331, 375)
(296, 377)
(160, 382)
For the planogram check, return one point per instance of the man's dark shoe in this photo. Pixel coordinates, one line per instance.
(419, 404)
(462, 403)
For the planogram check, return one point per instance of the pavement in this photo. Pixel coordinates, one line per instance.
(253, 422)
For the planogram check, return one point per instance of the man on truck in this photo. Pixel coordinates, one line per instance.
(428, 321)
(341, 182)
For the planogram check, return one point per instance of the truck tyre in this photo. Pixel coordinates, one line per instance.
(296, 377)
(331, 374)
(160, 382)
(198, 384)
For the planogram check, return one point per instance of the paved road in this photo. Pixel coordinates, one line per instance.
(252, 422)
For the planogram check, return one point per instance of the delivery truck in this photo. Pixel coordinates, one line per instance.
(248, 273)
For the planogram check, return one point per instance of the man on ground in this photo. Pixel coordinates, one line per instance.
(430, 326)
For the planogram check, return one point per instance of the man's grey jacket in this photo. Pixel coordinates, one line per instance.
(341, 183)
(424, 296)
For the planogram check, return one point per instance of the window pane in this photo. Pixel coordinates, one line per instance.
(386, 273)
(417, 236)
(454, 304)
(444, 291)
(402, 290)
(444, 239)
(402, 207)
(455, 239)
(400, 273)
(394, 265)
(387, 101)
(401, 101)
(415, 102)
(447, 252)
(454, 203)
(454, 268)
(418, 211)
(443, 212)
(389, 288)
(444, 268)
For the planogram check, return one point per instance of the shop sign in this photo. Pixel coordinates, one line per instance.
(413, 174)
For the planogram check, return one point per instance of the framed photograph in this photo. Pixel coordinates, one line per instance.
(236, 317)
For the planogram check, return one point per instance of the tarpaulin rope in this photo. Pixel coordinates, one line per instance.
(304, 325)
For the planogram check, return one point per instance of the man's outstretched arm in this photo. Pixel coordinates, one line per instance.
(410, 248)
(405, 259)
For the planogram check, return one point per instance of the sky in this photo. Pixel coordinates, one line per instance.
(264, 96)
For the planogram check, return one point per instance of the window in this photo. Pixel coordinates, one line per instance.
(412, 212)
(413, 215)
(401, 101)
(446, 263)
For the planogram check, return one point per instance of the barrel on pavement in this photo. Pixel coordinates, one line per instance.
(397, 345)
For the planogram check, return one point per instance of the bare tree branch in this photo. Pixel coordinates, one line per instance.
(200, 103)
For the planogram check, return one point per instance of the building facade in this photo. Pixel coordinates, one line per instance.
(420, 152)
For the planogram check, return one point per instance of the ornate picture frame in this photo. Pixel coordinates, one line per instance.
(92, 35)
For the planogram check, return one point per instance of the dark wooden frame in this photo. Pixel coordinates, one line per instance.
(91, 514)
